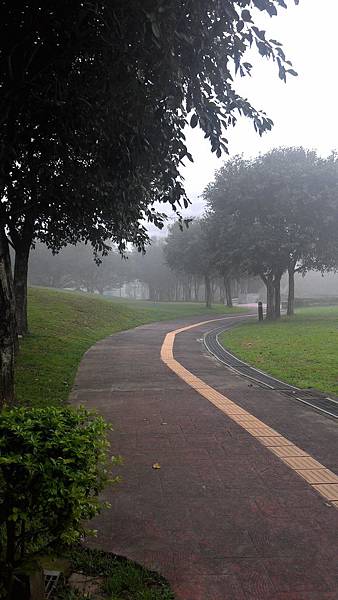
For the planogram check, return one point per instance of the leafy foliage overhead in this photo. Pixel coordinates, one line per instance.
(115, 84)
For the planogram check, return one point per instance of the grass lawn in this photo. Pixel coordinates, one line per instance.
(64, 325)
(301, 350)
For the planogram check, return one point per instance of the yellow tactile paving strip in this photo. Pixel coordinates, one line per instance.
(321, 479)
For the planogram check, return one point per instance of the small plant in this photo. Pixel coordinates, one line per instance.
(68, 594)
(122, 579)
(129, 581)
(53, 464)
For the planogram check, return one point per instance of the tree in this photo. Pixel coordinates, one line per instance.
(7, 323)
(312, 203)
(251, 224)
(225, 262)
(189, 252)
(124, 78)
(302, 188)
(151, 269)
(59, 202)
(278, 213)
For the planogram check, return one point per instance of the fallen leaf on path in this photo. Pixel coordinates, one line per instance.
(156, 466)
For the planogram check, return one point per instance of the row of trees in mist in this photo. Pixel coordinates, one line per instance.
(267, 216)
(146, 276)
(274, 214)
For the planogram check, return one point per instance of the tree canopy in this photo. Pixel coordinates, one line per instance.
(134, 75)
(191, 253)
(276, 213)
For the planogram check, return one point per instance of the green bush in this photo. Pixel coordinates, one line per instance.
(53, 464)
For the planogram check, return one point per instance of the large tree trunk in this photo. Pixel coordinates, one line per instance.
(187, 290)
(196, 288)
(20, 288)
(270, 304)
(221, 293)
(208, 293)
(8, 337)
(276, 286)
(22, 241)
(291, 292)
(228, 294)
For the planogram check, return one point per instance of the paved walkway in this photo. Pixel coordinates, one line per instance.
(224, 518)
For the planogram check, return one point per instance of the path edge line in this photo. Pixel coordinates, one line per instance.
(318, 477)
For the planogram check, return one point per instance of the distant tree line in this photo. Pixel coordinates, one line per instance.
(74, 268)
(266, 217)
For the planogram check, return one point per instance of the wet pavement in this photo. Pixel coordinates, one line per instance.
(223, 518)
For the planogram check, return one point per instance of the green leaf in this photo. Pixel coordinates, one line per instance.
(292, 72)
(246, 16)
(57, 459)
(194, 121)
(156, 29)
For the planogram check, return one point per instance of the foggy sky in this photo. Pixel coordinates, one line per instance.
(304, 110)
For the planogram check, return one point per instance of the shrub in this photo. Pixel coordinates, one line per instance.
(52, 467)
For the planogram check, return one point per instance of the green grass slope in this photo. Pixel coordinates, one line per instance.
(302, 350)
(64, 325)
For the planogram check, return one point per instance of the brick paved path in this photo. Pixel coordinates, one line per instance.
(223, 519)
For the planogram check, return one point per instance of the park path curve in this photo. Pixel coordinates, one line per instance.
(223, 518)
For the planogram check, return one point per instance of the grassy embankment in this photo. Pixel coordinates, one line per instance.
(64, 325)
(301, 350)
